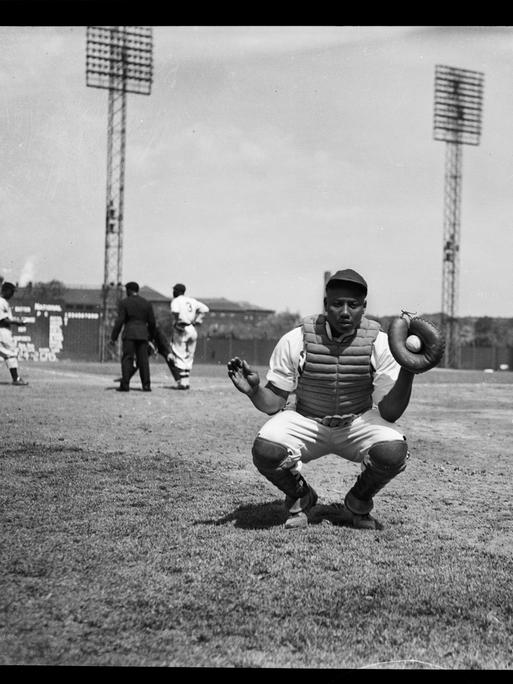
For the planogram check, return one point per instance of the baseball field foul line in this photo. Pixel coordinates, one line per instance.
(96, 379)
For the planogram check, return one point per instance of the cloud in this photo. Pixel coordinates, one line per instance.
(236, 42)
(37, 57)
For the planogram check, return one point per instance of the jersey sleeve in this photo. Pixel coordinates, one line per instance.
(201, 307)
(285, 360)
(5, 309)
(386, 368)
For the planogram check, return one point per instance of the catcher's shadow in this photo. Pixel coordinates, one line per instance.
(273, 514)
(252, 516)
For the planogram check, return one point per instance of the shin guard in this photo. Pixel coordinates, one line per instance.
(276, 463)
(174, 371)
(385, 460)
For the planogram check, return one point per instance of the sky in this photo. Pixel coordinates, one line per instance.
(263, 157)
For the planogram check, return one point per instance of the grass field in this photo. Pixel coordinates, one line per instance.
(135, 531)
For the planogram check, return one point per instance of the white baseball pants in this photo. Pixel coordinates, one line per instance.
(308, 440)
(183, 347)
(8, 349)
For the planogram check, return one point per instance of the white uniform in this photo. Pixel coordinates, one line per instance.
(186, 312)
(8, 350)
(306, 438)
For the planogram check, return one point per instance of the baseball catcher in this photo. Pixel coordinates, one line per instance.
(350, 391)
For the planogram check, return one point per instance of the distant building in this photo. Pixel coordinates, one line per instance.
(68, 326)
(225, 314)
(85, 298)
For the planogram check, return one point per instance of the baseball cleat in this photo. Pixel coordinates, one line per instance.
(296, 521)
(19, 381)
(341, 515)
(365, 522)
(298, 509)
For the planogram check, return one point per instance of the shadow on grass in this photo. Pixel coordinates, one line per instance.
(332, 514)
(252, 516)
(273, 514)
(132, 389)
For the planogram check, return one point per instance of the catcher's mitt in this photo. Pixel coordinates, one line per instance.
(433, 342)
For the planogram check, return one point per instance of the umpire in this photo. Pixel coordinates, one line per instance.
(137, 318)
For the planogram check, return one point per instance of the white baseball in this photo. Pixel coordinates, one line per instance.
(413, 343)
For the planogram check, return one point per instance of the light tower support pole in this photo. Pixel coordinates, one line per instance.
(119, 59)
(451, 253)
(457, 121)
(113, 266)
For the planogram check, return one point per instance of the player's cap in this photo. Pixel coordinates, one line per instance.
(347, 275)
(132, 286)
(179, 287)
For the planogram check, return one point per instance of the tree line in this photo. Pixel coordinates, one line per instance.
(482, 331)
(472, 331)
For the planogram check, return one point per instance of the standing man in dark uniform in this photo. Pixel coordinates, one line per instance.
(137, 318)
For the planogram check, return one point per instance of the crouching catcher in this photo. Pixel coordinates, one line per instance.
(350, 391)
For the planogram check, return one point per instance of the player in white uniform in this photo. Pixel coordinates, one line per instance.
(186, 313)
(349, 393)
(8, 350)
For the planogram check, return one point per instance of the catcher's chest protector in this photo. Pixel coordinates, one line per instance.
(336, 377)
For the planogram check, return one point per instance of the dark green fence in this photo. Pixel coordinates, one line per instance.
(258, 351)
(479, 358)
(220, 350)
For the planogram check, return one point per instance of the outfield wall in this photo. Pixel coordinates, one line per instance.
(53, 332)
(479, 358)
(220, 350)
(258, 352)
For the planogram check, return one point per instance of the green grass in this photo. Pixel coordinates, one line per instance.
(136, 532)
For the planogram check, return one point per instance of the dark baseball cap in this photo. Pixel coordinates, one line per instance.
(347, 275)
(179, 287)
(132, 286)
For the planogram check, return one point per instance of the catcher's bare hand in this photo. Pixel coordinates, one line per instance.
(245, 379)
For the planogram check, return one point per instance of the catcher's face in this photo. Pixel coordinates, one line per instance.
(345, 306)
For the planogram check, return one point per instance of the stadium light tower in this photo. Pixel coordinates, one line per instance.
(120, 60)
(457, 121)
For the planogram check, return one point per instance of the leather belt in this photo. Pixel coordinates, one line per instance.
(337, 421)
